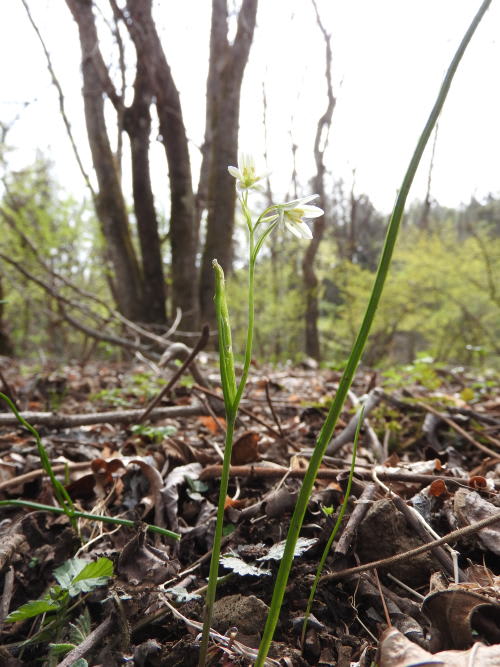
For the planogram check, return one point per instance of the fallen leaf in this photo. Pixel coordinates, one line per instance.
(245, 449)
(396, 650)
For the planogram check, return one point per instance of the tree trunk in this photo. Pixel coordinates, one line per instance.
(226, 69)
(173, 135)
(110, 204)
(137, 124)
(312, 344)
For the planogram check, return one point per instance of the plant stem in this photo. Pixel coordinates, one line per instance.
(214, 561)
(335, 530)
(231, 414)
(75, 514)
(357, 350)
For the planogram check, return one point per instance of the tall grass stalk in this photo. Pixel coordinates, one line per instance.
(335, 529)
(358, 347)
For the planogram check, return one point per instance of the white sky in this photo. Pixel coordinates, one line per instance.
(389, 57)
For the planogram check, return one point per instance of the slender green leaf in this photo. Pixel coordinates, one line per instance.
(226, 357)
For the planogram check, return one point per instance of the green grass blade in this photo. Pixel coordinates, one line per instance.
(336, 527)
(358, 347)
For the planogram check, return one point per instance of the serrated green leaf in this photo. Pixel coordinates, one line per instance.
(277, 550)
(31, 609)
(69, 570)
(239, 566)
(99, 569)
(80, 629)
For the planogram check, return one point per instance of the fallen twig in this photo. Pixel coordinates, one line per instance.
(406, 555)
(114, 417)
(201, 343)
(88, 643)
(459, 430)
(214, 471)
(34, 474)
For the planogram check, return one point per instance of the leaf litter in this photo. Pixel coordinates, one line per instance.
(428, 466)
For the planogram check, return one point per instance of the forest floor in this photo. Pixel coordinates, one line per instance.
(430, 442)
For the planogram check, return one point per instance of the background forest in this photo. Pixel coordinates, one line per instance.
(77, 272)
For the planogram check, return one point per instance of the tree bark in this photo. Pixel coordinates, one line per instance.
(173, 136)
(110, 204)
(311, 285)
(226, 68)
(137, 124)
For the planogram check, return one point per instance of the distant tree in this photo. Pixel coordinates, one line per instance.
(139, 285)
(311, 283)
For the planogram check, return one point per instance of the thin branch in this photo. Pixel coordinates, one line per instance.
(407, 555)
(62, 108)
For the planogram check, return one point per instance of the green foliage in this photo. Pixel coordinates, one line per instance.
(441, 297)
(139, 388)
(52, 237)
(76, 576)
(153, 433)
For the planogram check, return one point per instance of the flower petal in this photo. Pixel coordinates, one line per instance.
(312, 211)
(234, 172)
(298, 203)
(300, 230)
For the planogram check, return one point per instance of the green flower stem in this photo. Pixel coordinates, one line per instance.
(357, 350)
(231, 402)
(336, 527)
(214, 561)
(60, 492)
(75, 514)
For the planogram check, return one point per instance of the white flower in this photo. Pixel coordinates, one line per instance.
(245, 174)
(293, 215)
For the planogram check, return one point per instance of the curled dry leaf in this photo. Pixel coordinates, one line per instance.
(397, 651)
(460, 617)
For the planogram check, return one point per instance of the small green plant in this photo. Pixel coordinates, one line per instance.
(153, 433)
(422, 371)
(291, 215)
(65, 503)
(75, 577)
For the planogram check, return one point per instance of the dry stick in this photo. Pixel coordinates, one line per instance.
(357, 515)
(34, 474)
(382, 598)
(331, 473)
(347, 434)
(8, 590)
(114, 417)
(271, 407)
(88, 643)
(459, 430)
(406, 555)
(11, 544)
(201, 343)
(442, 556)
